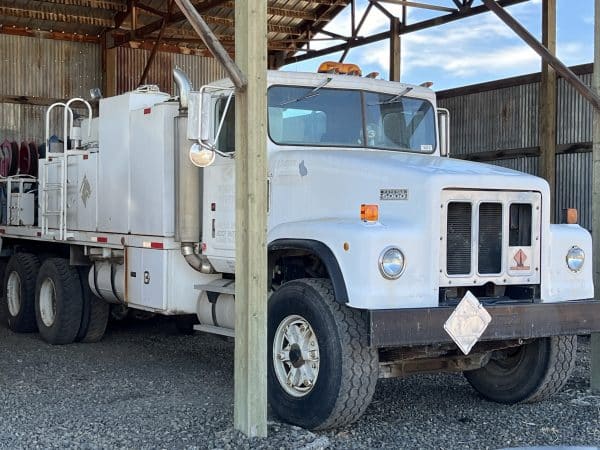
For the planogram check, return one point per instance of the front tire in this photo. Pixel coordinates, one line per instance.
(58, 301)
(321, 371)
(529, 373)
(19, 292)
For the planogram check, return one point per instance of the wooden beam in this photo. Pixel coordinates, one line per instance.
(52, 16)
(547, 99)
(110, 72)
(547, 56)
(122, 16)
(595, 338)
(178, 17)
(250, 373)
(210, 40)
(98, 4)
(156, 44)
(151, 10)
(511, 153)
(395, 48)
(54, 35)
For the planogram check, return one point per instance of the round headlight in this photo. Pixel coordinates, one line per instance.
(575, 258)
(391, 263)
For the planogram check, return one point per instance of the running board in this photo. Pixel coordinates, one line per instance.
(215, 330)
(220, 286)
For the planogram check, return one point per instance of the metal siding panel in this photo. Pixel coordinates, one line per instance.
(526, 164)
(131, 62)
(574, 186)
(494, 120)
(26, 122)
(48, 68)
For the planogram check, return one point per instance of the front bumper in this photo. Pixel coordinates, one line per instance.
(425, 326)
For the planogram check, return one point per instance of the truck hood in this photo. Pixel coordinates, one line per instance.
(401, 170)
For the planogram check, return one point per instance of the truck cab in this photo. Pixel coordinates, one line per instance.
(372, 223)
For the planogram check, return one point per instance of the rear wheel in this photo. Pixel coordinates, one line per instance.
(58, 301)
(19, 288)
(95, 312)
(528, 373)
(321, 371)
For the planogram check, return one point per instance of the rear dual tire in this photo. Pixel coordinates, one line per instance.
(19, 292)
(53, 298)
(58, 301)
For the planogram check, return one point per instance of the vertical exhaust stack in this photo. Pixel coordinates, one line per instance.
(185, 87)
(188, 184)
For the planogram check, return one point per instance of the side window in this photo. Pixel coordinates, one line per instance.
(226, 142)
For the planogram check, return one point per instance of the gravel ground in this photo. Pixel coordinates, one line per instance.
(145, 386)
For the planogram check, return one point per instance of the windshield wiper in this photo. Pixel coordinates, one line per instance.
(394, 99)
(309, 94)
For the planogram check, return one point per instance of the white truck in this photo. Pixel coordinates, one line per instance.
(375, 236)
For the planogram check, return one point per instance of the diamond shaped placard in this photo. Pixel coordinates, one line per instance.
(467, 322)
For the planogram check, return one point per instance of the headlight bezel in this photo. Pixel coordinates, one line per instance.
(570, 257)
(380, 264)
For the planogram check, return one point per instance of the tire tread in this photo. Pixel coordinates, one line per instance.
(28, 266)
(66, 326)
(563, 352)
(360, 362)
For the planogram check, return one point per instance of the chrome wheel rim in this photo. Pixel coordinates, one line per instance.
(296, 358)
(13, 293)
(48, 302)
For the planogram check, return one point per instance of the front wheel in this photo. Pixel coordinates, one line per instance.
(528, 373)
(322, 372)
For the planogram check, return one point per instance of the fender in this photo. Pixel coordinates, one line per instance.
(325, 254)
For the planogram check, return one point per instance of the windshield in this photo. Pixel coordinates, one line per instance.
(339, 117)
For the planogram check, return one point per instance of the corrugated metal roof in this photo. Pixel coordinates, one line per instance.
(89, 19)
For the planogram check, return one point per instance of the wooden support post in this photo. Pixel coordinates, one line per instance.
(595, 341)
(250, 412)
(109, 82)
(547, 111)
(395, 55)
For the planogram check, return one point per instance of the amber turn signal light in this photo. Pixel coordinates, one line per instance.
(369, 213)
(571, 216)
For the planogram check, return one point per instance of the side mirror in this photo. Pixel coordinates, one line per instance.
(200, 125)
(443, 116)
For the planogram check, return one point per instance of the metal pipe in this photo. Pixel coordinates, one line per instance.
(196, 261)
(188, 185)
(184, 85)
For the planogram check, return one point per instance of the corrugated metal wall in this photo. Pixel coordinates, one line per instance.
(50, 70)
(46, 69)
(494, 120)
(507, 118)
(131, 64)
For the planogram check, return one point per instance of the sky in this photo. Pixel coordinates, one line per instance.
(468, 51)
